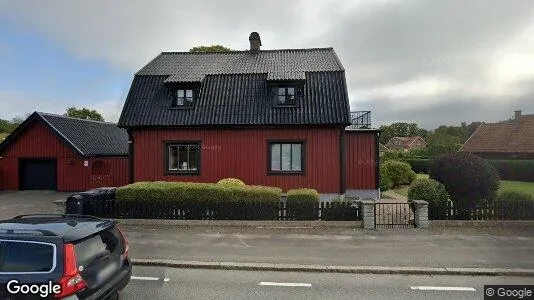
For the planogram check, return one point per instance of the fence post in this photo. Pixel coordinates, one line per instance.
(368, 213)
(420, 213)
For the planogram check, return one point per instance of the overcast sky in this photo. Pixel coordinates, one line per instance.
(427, 61)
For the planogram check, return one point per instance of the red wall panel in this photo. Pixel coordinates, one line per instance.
(361, 159)
(242, 153)
(37, 141)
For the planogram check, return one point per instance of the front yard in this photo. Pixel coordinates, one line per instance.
(527, 187)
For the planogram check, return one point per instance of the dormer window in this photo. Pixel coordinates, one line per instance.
(287, 94)
(184, 98)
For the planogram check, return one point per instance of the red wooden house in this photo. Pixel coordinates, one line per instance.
(51, 152)
(269, 117)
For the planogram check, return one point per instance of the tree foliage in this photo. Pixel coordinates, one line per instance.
(84, 113)
(7, 126)
(467, 177)
(212, 48)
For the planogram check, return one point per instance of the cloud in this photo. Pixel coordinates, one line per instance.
(19, 104)
(429, 61)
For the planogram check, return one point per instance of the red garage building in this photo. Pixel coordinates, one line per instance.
(52, 152)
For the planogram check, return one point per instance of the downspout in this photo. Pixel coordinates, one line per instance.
(377, 163)
(342, 163)
(130, 156)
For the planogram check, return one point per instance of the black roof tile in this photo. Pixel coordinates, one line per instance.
(86, 137)
(236, 90)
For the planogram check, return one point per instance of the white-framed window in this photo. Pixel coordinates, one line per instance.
(184, 98)
(286, 157)
(183, 157)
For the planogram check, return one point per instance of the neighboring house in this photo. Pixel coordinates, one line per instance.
(382, 149)
(269, 117)
(406, 143)
(505, 140)
(51, 152)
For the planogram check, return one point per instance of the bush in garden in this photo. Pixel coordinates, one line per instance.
(517, 170)
(398, 172)
(468, 178)
(514, 196)
(385, 182)
(302, 204)
(231, 181)
(419, 165)
(434, 193)
(227, 201)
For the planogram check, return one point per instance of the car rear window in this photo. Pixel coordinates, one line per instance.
(94, 248)
(26, 256)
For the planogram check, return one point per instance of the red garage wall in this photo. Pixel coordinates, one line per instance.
(242, 153)
(37, 141)
(361, 159)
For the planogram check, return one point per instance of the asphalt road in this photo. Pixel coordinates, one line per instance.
(169, 283)
(445, 247)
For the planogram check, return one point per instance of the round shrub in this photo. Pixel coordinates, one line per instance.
(468, 178)
(398, 172)
(434, 193)
(385, 183)
(231, 181)
(514, 196)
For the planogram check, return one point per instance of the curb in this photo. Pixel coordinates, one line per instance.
(238, 223)
(332, 269)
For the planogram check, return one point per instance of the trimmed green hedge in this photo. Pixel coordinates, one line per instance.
(227, 201)
(419, 165)
(514, 196)
(302, 204)
(517, 170)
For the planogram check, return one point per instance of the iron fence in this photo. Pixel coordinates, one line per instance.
(111, 208)
(390, 215)
(495, 210)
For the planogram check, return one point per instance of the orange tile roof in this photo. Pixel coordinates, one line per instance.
(506, 137)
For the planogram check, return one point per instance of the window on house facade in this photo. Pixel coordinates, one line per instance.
(183, 157)
(287, 94)
(184, 98)
(286, 157)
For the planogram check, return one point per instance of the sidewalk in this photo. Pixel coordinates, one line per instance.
(444, 248)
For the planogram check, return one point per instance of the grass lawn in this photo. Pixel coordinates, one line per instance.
(505, 185)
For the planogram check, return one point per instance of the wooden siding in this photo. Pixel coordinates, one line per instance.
(37, 141)
(242, 153)
(361, 159)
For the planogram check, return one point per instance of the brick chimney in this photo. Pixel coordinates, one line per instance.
(517, 115)
(255, 42)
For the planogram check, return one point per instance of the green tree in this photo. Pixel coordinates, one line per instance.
(440, 144)
(212, 48)
(401, 129)
(84, 113)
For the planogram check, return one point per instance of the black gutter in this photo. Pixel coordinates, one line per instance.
(377, 160)
(130, 156)
(342, 163)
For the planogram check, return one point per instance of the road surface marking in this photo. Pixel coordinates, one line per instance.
(285, 284)
(148, 278)
(443, 288)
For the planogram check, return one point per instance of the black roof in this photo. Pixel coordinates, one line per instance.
(68, 228)
(86, 137)
(235, 89)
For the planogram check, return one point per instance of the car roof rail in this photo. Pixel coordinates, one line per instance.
(58, 216)
(27, 232)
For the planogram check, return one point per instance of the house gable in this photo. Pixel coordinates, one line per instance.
(239, 88)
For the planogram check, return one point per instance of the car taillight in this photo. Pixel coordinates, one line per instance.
(125, 254)
(71, 282)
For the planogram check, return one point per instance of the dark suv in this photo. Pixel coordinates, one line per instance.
(62, 256)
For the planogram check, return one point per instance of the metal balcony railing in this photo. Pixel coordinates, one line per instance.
(360, 119)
